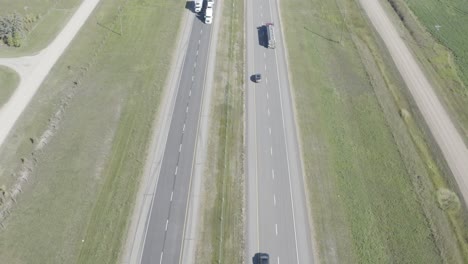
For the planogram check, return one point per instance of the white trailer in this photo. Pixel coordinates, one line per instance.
(270, 35)
(198, 5)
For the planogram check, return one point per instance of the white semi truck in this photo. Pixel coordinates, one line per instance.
(198, 5)
(209, 15)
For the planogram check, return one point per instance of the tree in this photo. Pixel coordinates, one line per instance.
(12, 29)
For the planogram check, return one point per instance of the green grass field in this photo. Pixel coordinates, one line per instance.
(446, 21)
(222, 229)
(53, 16)
(371, 187)
(9, 80)
(76, 204)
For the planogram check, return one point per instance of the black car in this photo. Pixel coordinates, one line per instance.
(257, 77)
(262, 258)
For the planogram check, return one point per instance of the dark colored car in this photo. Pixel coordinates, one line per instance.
(257, 77)
(262, 258)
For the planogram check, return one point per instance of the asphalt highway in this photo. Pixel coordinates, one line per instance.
(277, 218)
(166, 222)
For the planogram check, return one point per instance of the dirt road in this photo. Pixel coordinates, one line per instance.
(436, 117)
(33, 70)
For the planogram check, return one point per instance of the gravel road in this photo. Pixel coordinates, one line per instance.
(436, 117)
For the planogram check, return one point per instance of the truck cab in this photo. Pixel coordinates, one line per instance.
(210, 3)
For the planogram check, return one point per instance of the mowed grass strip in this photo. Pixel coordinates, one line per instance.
(76, 205)
(438, 62)
(363, 187)
(9, 80)
(438, 35)
(53, 16)
(222, 231)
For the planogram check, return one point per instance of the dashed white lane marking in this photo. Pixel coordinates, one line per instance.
(201, 31)
(198, 41)
(276, 229)
(264, 54)
(186, 109)
(268, 96)
(195, 65)
(265, 67)
(197, 52)
(176, 168)
(268, 111)
(183, 129)
(167, 222)
(160, 258)
(271, 151)
(193, 77)
(190, 93)
(278, 260)
(172, 194)
(180, 147)
(274, 200)
(272, 173)
(269, 130)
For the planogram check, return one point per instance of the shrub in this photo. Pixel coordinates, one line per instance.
(12, 29)
(448, 200)
(9, 40)
(404, 114)
(16, 39)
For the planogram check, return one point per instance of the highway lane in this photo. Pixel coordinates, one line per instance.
(277, 216)
(166, 222)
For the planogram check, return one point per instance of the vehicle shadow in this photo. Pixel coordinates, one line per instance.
(190, 5)
(262, 36)
(201, 15)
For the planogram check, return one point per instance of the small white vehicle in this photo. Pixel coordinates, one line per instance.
(208, 15)
(198, 5)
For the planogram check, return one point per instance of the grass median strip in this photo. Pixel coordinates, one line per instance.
(222, 238)
(76, 204)
(371, 190)
(9, 80)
